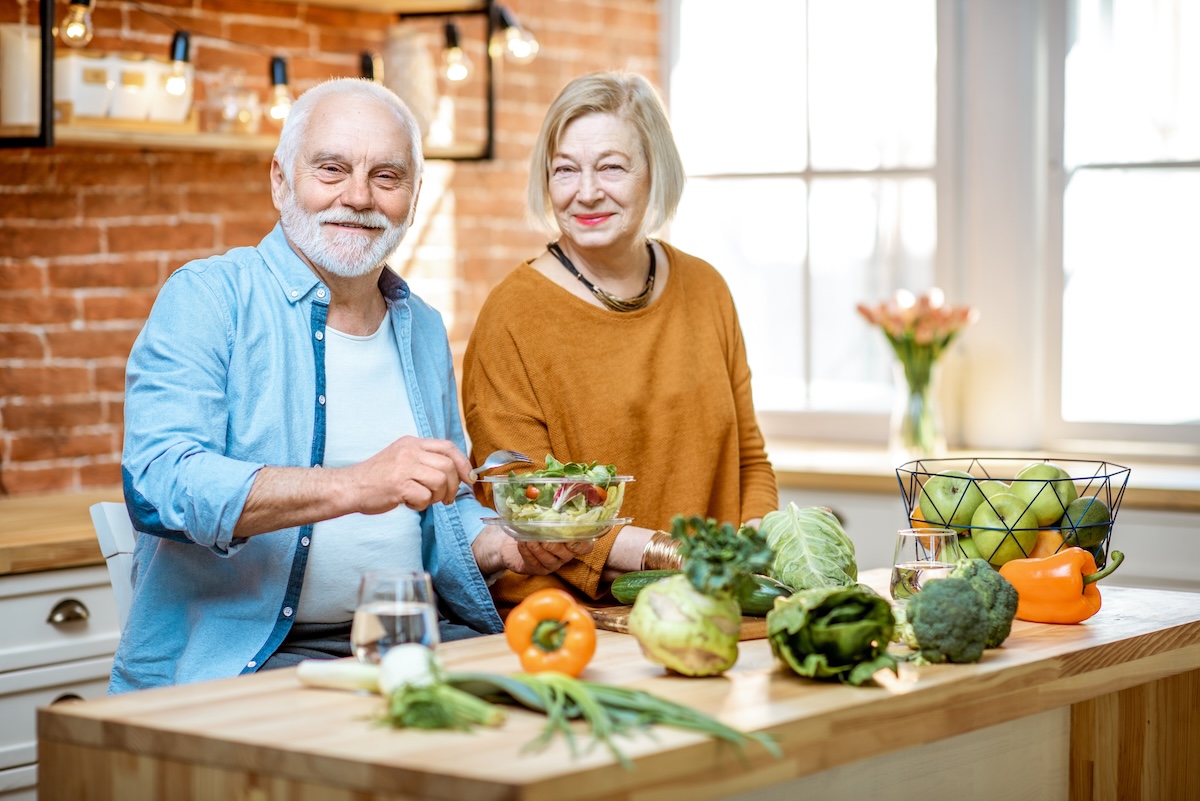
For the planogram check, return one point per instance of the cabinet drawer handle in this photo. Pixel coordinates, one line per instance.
(66, 697)
(68, 610)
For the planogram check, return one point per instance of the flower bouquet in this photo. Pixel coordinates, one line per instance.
(919, 329)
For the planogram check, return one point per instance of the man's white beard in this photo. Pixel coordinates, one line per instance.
(342, 253)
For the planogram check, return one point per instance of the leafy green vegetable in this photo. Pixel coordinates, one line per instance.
(833, 633)
(592, 472)
(811, 548)
(946, 621)
(609, 711)
(719, 561)
(999, 597)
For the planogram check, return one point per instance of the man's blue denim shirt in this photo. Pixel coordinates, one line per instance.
(228, 376)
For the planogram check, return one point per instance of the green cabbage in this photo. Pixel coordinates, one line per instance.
(833, 633)
(811, 548)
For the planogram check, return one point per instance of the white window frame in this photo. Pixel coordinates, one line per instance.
(1000, 183)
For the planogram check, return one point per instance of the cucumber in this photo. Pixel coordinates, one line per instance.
(756, 599)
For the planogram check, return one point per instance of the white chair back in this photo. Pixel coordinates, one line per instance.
(115, 532)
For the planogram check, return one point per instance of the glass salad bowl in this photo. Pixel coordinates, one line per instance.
(573, 508)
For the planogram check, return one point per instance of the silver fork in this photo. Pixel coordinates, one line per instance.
(499, 459)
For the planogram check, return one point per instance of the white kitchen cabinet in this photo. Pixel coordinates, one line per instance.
(60, 633)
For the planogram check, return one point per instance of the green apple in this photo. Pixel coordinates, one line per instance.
(992, 486)
(1047, 489)
(949, 498)
(1004, 528)
(1086, 522)
(969, 548)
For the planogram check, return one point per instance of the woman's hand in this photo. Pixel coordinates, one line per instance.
(495, 551)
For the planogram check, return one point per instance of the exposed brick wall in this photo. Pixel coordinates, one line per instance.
(87, 236)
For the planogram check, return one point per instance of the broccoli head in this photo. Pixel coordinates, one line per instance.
(999, 597)
(947, 621)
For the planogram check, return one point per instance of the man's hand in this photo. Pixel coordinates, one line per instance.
(411, 471)
(494, 550)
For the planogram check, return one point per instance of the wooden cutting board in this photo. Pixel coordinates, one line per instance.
(616, 618)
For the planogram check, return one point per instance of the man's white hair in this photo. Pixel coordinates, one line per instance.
(296, 125)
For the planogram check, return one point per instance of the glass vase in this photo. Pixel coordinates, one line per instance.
(917, 430)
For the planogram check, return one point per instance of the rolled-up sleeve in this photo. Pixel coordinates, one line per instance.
(178, 481)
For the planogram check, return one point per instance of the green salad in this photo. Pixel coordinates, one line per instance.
(571, 492)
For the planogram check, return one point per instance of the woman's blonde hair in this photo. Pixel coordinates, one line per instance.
(630, 97)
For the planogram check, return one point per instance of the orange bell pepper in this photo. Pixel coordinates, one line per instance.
(1059, 588)
(550, 631)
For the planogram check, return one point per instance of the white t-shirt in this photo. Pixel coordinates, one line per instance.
(366, 409)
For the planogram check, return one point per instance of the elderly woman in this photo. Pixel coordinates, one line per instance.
(614, 347)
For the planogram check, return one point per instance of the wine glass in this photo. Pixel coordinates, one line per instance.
(922, 555)
(394, 607)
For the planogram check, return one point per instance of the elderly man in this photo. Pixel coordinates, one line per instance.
(291, 420)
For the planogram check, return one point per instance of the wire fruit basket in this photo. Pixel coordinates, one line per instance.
(1010, 508)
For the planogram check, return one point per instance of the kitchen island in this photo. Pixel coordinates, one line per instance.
(1107, 709)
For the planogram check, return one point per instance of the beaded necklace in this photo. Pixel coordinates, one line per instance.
(610, 300)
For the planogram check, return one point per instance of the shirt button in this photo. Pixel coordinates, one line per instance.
(295, 294)
(320, 293)
(321, 399)
(287, 611)
(251, 663)
(319, 335)
(304, 541)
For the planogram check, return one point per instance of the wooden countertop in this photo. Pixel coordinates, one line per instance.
(1170, 486)
(46, 532)
(267, 730)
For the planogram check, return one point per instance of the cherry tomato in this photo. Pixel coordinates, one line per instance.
(532, 492)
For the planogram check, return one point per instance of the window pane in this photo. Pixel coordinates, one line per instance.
(737, 86)
(872, 83)
(870, 237)
(1131, 283)
(1132, 81)
(752, 230)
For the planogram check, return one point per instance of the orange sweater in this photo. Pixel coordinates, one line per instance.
(663, 393)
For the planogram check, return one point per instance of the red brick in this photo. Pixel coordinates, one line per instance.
(96, 344)
(303, 73)
(345, 18)
(52, 414)
(16, 310)
(88, 168)
(143, 202)
(143, 238)
(115, 413)
(20, 345)
(124, 273)
(246, 233)
(258, 8)
(29, 242)
(16, 382)
(110, 379)
(53, 204)
(129, 305)
(231, 175)
(62, 445)
(19, 481)
(101, 474)
(216, 201)
(350, 40)
(281, 37)
(20, 276)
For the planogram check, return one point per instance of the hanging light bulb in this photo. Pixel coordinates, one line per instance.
(76, 30)
(512, 39)
(281, 95)
(177, 81)
(455, 64)
(372, 67)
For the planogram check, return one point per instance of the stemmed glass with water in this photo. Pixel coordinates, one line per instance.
(394, 607)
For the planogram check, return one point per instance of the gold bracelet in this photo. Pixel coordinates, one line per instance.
(661, 553)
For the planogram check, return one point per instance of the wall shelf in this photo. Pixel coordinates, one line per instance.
(136, 136)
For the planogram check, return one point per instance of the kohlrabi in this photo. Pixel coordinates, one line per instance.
(690, 623)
